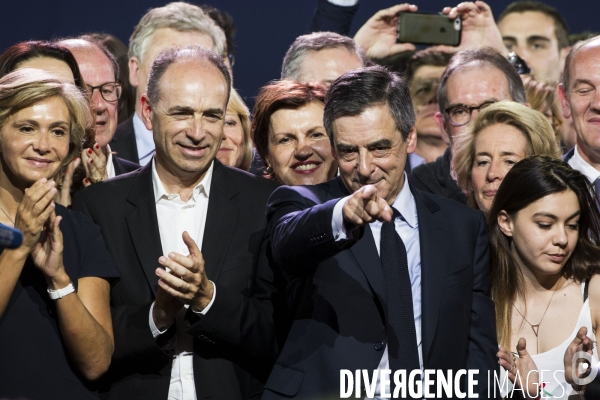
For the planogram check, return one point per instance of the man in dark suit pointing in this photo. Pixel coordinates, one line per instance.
(380, 276)
(192, 313)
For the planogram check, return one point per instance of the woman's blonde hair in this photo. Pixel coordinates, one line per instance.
(542, 96)
(25, 87)
(540, 136)
(237, 105)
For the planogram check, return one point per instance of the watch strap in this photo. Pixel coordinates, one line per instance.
(60, 293)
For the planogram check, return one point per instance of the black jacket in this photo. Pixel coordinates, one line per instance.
(434, 177)
(336, 292)
(234, 343)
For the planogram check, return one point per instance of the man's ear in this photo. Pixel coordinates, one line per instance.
(505, 223)
(411, 140)
(134, 67)
(146, 111)
(439, 120)
(564, 102)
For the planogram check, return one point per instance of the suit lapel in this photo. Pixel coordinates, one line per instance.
(568, 155)
(221, 220)
(366, 255)
(364, 250)
(433, 228)
(143, 225)
(116, 165)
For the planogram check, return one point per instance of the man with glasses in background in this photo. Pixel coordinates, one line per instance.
(100, 72)
(176, 24)
(473, 80)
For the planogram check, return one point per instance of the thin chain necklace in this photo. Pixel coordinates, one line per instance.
(7, 216)
(536, 328)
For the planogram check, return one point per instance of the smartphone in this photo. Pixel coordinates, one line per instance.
(423, 28)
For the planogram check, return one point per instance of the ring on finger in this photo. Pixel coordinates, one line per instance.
(187, 289)
(95, 180)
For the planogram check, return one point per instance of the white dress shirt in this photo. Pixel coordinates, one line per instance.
(143, 140)
(407, 226)
(577, 162)
(110, 167)
(174, 217)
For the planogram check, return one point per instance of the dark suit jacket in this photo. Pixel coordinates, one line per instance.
(123, 142)
(123, 166)
(567, 156)
(337, 292)
(434, 177)
(329, 17)
(234, 344)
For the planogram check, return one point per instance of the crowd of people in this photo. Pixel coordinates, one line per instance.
(382, 208)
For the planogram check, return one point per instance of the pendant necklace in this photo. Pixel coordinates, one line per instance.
(536, 328)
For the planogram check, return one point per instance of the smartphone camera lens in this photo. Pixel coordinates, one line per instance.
(457, 22)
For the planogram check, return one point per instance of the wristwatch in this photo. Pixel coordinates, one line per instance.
(60, 293)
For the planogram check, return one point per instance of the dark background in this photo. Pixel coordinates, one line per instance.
(265, 28)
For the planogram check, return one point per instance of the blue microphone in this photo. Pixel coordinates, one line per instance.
(10, 238)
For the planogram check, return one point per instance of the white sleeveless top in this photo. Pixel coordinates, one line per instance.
(550, 363)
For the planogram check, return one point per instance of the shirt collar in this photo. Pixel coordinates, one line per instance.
(405, 204)
(577, 162)
(110, 167)
(160, 192)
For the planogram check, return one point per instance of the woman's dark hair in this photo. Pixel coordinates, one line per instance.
(21, 52)
(277, 95)
(528, 181)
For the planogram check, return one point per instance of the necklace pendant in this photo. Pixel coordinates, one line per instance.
(536, 329)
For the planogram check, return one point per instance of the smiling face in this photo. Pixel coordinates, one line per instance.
(581, 100)
(299, 150)
(231, 151)
(371, 151)
(187, 121)
(545, 233)
(34, 142)
(497, 149)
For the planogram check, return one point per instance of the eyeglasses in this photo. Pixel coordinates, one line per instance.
(460, 114)
(110, 91)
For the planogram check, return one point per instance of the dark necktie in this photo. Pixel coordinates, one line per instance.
(402, 338)
(597, 188)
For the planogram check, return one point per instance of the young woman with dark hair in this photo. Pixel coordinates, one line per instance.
(544, 232)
